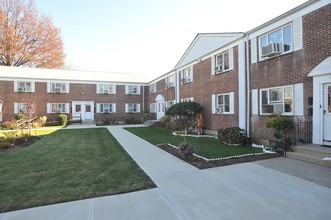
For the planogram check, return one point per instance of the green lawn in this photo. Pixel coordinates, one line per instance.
(68, 165)
(205, 146)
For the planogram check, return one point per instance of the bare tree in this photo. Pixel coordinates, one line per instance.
(28, 38)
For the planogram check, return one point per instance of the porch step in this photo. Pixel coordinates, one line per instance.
(311, 153)
(151, 122)
(88, 122)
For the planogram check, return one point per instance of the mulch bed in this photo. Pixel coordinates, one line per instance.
(19, 146)
(202, 164)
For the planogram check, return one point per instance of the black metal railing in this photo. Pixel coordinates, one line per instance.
(303, 132)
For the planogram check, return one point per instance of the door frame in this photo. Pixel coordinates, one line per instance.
(160, 106)
(83, 113)
(325, 112)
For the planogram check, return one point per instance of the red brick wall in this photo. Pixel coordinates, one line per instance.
(204, 85)
(294, 67)
(77, 92)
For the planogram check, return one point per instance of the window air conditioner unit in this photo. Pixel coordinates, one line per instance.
(218, 68)
(57, 90)
(272, 109)
(185, 80)
(20, 89)
(219, 110)
(170, 84)
(106, 91)
(58, 111)
(271, 50)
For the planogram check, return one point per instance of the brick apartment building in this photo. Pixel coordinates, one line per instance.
(280, 67)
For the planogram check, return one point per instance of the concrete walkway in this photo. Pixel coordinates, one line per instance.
(244, 191)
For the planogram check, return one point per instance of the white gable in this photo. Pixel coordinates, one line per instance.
(206, 43)
(322, 69)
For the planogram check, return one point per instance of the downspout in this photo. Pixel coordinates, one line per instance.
(248, 101)
(143, 98)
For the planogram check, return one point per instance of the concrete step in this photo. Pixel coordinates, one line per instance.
(309, 158)
(151, 122)
(313, 150)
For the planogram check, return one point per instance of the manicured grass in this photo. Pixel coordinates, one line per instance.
(68, 165)
(32, 132)
(206, 147)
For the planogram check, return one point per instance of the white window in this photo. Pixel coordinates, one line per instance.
(58, 87)
(132, 108)
(106, 89)
(152, 88)
(223, 103)
(170, 103)
(186, 75)
(132, 89)
(152, 107)
(23, 86)
(222, 62)
(23, 107)
(278, 41)
(170, 81)
(58, 108)
(277, 100)
(106, 108)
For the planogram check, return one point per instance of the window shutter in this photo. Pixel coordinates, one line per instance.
(126, 89)
(231, 58)
(297, 34)
(231, 100)
(67, 107)
(126, 107)
(138, 107)
(114, 107)
(48, 87)
(212, 65)
(33, 86)
(191, 73)
(98, 107)
(298, 99)
(253, 50)
(97, 88)
(15, 107)
(48, 108)
(114, 88)
(67, 87)
(15, 86)
(138, 90)
(213, 103)
(255, 105)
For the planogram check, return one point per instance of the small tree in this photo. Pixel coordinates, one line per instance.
(186, 113)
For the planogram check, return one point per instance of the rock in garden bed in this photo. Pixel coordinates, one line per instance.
(203, 164)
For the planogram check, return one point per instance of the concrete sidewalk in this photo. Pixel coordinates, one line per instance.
(242, 191)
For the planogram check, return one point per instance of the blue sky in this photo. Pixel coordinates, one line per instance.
(148, 37)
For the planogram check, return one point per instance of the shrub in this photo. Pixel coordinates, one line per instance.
(186, 149)
(232, 135)
(62, 119)
(19, 116)
(164, 120)
(9, 125)
(279, 123)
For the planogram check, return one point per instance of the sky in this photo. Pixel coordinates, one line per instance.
(148, 37)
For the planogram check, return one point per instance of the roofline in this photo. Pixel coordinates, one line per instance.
(199, 34)
(161, 76)
(282, 16)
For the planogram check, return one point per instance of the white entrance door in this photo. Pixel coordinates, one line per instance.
(327, 113)
(88, 112)
(83, 110)
(160, 106)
